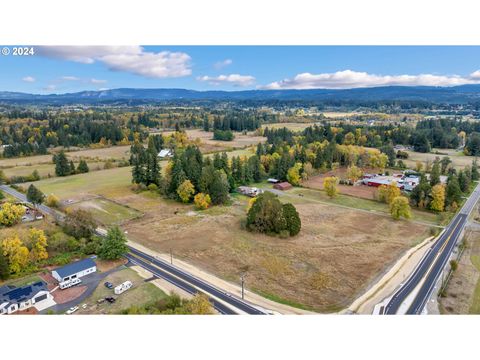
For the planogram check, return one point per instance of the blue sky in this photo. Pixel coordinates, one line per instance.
(70, 69)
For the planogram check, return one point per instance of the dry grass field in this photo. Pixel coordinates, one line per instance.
(323, 268)
(209, 145)
(459, 160)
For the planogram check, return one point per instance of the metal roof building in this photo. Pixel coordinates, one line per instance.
(75, 270)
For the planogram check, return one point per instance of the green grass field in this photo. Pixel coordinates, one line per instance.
(107, 212)
(104, 182)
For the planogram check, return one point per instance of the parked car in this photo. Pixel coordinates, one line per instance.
(108, 285)
(71, 310)
(110, 299)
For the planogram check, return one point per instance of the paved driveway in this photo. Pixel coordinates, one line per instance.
(92, 281)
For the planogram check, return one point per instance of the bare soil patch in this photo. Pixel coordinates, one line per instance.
(361, 191)
(63, 296)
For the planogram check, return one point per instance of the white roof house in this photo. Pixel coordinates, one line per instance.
(165, 153)
(75, 270)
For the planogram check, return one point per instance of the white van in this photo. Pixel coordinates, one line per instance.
(123, 287)
(69, 283)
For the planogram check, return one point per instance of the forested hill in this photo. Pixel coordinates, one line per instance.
(449, 95)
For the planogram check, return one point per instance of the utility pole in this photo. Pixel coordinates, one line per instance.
(171, 256)
(242, 278)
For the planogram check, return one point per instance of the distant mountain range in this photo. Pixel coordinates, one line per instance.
(457, 94)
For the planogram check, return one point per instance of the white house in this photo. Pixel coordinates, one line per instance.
(75, 270)
(164, 153)
(14, 299)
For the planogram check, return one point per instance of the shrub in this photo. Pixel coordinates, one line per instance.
(152, 187)
(52, 201)
(202, 201)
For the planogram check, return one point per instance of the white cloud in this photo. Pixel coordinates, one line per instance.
(132, 59)
(233, 79)
(97, 81)
(69, 78)
(29, 79)
(221, 64)
(347, 79)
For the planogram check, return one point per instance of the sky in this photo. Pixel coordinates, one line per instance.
(63, 69)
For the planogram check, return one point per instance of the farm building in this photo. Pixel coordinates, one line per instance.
(249, 191)
(164, 153)
(14, 299)
(75, 270)
(282, 186)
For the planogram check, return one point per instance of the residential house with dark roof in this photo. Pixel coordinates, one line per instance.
(14, 299)
(75, 270)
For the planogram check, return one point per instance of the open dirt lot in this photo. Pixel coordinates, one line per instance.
(323, 268)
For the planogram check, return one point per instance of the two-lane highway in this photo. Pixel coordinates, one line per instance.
(200, 284)
(428, 271)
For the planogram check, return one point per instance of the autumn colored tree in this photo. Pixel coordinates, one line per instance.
(199, 305)
(38, 243)
(400, 207)
(387, 193)
(202, 201)
(185, 191)
(11, 214)
(52, 201)
(293, 174)
(16, 252)
(354, 173)
(438, 198)
(330, 186)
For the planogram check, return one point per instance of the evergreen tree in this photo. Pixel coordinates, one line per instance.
(62, 167)
(255, 168)
(34, 195)
(475, 173)
(72, 167)
(435, 174)
(82, 167)
(453, 191)
(463, 181)
(219, 188)
(114, 245)
(292, 219)
(152, 175)
(206, 124)
(266, 214)
(4, 268)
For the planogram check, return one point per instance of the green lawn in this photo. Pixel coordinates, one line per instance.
(108, 212)
(26, 280)
(102, 182)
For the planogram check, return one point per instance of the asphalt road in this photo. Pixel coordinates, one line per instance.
(192, 280)
(223, 309)
(23, 198)
(432, 264)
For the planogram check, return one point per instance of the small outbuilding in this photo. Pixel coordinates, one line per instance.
(282, 186)
(164, 153)
(75, 270)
